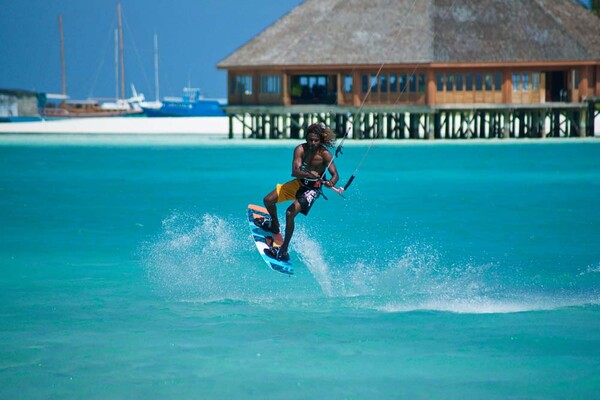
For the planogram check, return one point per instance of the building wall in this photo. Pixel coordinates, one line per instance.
(18, 103)
(416, 85)
(8, 105)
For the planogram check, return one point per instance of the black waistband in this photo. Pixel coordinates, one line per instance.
(313, 184)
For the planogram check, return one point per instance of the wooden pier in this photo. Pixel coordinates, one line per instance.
(481, 121)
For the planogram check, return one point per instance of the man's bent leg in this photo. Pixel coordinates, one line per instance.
(270, 202)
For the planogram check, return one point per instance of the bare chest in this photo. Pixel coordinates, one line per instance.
(313, 161)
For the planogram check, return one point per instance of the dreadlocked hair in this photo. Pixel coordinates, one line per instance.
(326, 135)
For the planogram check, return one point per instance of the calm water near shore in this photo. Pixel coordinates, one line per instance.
(450, 271)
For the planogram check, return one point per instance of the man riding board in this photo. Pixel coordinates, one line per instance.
(310, 161)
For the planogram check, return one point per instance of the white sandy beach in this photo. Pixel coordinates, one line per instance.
(124, 125)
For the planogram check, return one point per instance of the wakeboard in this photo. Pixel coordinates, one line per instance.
(263, 239)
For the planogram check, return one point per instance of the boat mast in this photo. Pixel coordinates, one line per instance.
(116, 64)
(121, 49)
(156, 66)
(62, 56)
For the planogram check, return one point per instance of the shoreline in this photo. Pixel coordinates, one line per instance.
(212, 139)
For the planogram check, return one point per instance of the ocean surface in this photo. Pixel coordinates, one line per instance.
(450, 271)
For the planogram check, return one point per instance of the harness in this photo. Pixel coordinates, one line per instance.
(311, 183)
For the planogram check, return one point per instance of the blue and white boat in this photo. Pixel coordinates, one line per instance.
(192, 104)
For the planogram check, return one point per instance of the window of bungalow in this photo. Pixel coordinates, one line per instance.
(321, 90)
(244, 84)
(373, 83)
(488, 82)
(402, 83)
(449, 82)
(440, 82)
(264, 84)
(365, 83)
(304, 88)
(412, 83)
(312, 83)
(421, 83)
(275, 84)
(383, 83)
(525, 82)
(535, 81)
(468, 82)
(348, 84)
(459, 82)
(478, 81)
(516, 82)
(575, 79)
(393, 83)
(270, 84)
(498, 81)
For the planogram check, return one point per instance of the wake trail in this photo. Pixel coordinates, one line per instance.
(194, 256)
(418, 278)
(211, 258)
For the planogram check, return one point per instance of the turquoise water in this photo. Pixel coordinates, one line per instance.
(450, 271)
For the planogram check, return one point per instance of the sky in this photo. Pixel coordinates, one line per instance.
(193, 37)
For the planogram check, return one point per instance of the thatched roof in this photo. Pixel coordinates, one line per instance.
(372, 32)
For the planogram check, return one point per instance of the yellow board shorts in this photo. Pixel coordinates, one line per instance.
(288, 190)
(294, 190)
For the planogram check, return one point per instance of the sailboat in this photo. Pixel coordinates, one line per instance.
(67, 108)
(192, 104)
(152, 105)
(132, 103)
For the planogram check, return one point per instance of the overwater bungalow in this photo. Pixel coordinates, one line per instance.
(436, 54)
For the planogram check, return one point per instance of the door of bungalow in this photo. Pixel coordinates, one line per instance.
(556, 86)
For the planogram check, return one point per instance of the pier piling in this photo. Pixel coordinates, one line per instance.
(557, 120)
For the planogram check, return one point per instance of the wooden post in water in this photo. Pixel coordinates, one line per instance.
(430, 132)
(582, 122)
(592, 116)
(506, 125)
(356, 127)
(543, 132)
